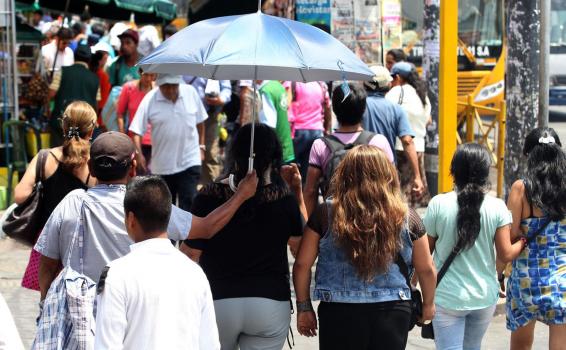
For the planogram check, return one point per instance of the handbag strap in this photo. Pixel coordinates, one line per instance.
(40, 166)
(447, 263)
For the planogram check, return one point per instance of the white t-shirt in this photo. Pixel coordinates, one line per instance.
(65, 58)
(155, 298)
(417, 114)
(174, 134)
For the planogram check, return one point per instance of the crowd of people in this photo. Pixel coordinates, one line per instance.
(336, 179)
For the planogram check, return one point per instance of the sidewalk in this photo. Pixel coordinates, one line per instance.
(23, 304)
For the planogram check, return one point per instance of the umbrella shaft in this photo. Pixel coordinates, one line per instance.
(251, 159)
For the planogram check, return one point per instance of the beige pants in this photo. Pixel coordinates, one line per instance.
(211, 167)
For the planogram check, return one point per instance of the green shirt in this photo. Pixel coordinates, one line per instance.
(471, 280)
(276, 93)
(119, 72)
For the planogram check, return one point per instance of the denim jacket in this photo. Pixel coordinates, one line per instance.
(336, 279)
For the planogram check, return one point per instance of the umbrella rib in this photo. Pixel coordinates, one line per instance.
(296, 43)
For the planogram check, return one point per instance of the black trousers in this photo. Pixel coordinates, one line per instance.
(183, 186)
(348, 326)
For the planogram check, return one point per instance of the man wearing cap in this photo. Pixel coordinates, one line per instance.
(72, 83)
(124, 68)
(101, 211)
(389, 119)
(176, 114)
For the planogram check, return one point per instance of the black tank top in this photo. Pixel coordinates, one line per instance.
(57, 186)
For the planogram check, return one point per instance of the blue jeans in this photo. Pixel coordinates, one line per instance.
(456, 330)
(302, 144)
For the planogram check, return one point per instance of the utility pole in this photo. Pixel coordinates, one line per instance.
(431, 64)
(544, 53)
(521, 81)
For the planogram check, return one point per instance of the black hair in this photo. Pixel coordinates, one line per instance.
(98, 29)
(351, 110)
(416, 82)
(95, 59)
(545, 180)
(38, 12)
(78, 28)
(149, 199)
(169, 30)
(267, 149)
(65, 34)
(83, 55)
(86, 16)
(397, 54)
(470, 170)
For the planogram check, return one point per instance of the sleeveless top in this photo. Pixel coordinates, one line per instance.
(57, 186)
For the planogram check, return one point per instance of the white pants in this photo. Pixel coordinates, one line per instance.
(252, 323)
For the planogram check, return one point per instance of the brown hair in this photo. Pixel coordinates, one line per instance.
(79, 119)
(368, 210)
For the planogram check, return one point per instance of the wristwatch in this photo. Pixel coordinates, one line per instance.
(304, 306)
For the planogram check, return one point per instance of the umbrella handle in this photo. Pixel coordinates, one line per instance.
(231, 183)
(250, 165)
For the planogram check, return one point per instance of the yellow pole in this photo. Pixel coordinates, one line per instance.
(470, 115)
(501, 148)
(448, 88)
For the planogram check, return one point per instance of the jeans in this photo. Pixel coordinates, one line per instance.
(183, 186)
(302, 144)
(455, 329)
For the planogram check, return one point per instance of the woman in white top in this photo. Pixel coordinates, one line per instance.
(409, 91)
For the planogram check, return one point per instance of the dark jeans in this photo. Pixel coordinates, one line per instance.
(183, 186)
(368, 326)
(302, 144)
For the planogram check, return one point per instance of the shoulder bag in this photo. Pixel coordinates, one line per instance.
(24, 222)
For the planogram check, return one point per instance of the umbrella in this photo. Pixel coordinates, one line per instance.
(258, 47)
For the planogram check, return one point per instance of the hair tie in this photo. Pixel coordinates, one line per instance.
(73, 132)
(548, 139)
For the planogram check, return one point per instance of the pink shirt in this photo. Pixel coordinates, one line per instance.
(320, 154)
(130, 99)
(306, 112)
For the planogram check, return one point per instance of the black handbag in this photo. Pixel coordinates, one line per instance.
(24, 222)
(416, 296)
(427, 331)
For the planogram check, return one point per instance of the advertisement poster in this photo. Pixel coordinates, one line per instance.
(315, 12)
(391, 26)
(357, 25)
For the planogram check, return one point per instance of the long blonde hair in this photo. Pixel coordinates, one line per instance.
(78, 120)
(368, 210)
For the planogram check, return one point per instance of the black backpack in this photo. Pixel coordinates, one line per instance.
(337, 152)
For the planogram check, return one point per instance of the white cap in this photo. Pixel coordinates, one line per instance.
(99, 47)
(169, 79)
(381, 76)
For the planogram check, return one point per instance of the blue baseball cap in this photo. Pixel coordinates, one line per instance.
(403, 69)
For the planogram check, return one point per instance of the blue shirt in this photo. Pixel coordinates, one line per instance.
(200, 85)
(386, 118)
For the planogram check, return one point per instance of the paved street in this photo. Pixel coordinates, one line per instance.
(23, 303)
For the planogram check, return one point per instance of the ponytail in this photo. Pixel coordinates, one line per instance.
(78, 122)
(470, 170)
(470, 199)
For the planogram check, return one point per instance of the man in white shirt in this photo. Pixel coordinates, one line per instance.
(176, 114)
(142, 302)
(57, 53)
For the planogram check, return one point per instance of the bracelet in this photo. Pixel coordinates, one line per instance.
(203, 147)
(304, 306)
(524, 241)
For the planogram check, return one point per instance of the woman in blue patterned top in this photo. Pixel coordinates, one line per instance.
(537, 285)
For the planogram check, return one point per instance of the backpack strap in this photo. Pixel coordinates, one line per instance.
(333, 143)
(364, 138)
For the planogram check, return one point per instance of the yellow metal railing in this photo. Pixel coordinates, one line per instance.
(480, 130)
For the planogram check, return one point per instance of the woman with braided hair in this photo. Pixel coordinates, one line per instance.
(64, 170)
